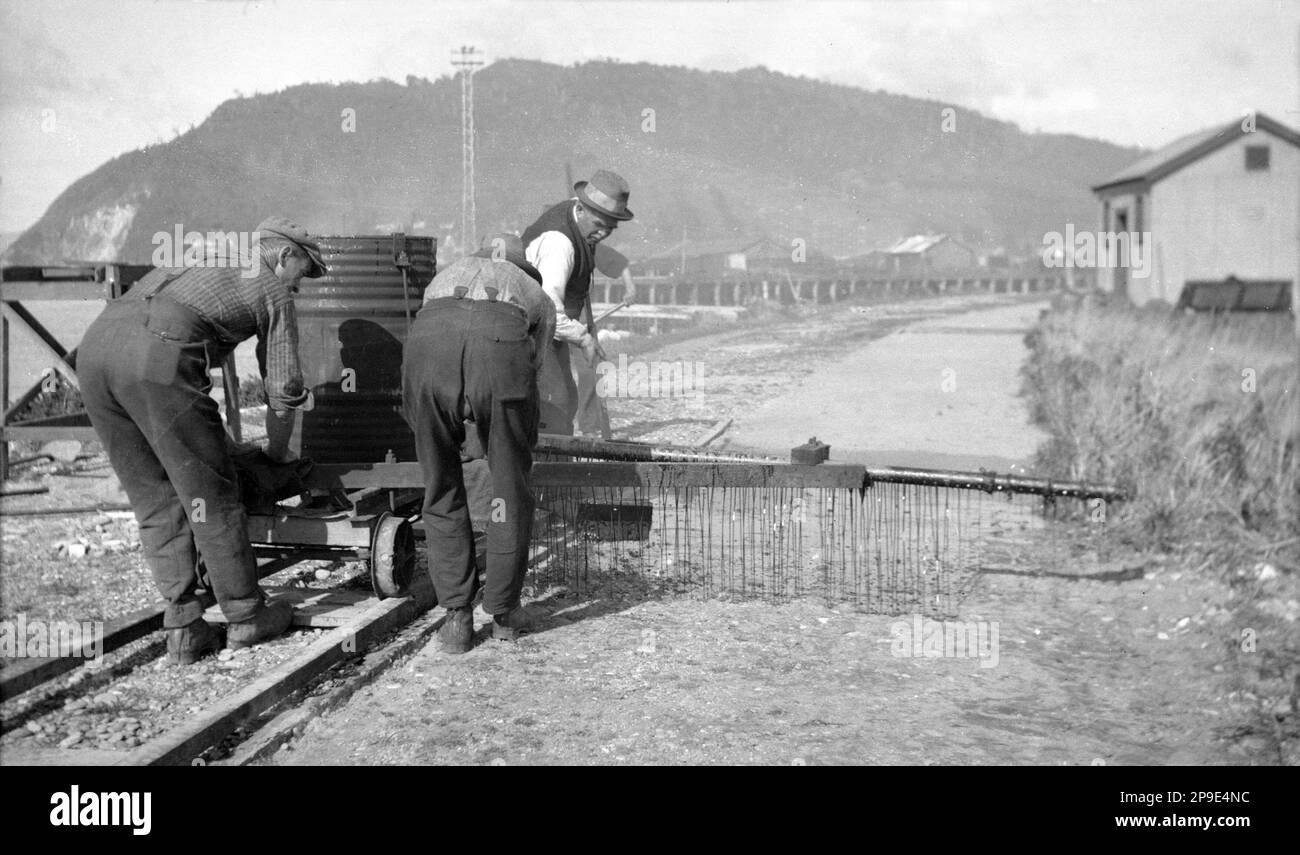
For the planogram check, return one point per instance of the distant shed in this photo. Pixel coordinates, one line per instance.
(924, 253)
(1220, 203)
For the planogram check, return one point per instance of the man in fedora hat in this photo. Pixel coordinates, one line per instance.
(143, 370)
(561, 245)
(470, 364)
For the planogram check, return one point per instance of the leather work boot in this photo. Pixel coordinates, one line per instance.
(188, 644)
(457, 631)
(512, 624)
(271, 620)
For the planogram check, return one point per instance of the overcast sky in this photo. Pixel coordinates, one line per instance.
(83, 81)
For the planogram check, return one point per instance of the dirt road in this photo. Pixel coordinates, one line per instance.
(1061, 669)
(940, 391)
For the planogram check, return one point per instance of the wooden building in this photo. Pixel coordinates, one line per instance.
(925, 253)
(1217, 204)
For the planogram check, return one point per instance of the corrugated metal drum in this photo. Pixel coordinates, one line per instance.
(351, 328)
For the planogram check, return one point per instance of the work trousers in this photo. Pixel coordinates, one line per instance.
(143, 369)
(567, 385)
(558, 390)
(472, 360)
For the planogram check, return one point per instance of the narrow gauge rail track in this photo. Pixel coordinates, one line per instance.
(27, 674)
(352, 625)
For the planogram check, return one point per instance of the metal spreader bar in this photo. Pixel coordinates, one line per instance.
(984, 480)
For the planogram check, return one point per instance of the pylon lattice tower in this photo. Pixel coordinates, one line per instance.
(466, 60)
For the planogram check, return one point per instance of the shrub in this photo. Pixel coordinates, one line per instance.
(1195, 415)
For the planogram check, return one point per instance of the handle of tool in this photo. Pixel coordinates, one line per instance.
(610, 311)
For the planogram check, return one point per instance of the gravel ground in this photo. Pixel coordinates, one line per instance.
(89, 567)
(626, 675)
(628, 671)
(1146, 669)
(133, 694)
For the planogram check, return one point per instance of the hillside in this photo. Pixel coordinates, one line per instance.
(749, 152)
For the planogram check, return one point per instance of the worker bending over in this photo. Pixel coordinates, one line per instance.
(472, 358)
(143, 369)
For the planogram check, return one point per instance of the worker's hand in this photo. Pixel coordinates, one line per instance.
(592, 350)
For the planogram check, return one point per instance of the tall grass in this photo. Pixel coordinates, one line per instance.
(1197, 416)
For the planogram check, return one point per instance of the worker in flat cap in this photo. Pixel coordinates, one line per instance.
(143, 369)
(562, 245)
(470, 364)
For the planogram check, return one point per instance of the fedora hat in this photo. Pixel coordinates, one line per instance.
(606, 194)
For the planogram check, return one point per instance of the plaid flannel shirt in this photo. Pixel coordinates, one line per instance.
(238, 308)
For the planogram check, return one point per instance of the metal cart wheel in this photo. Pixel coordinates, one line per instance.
(392, 556)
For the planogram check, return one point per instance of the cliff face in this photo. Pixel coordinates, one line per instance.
(716, 154)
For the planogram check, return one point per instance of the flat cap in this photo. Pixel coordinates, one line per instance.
(291, 231)
(504, 246)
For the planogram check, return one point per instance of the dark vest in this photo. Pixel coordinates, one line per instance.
(560, 219)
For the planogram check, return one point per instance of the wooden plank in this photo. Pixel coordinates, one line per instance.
(46, 342)
(65, 511)
(118, 632)
(293, 554)
(51, 272)
(281, 729)
(19, 677)
(16, 433)
(38, 329)
(69, 282)
(345, 476)
(64, 291)
(23, 491)
(78, 419)
(718, 429)
(182, 745)
(340, 530)
(314, 607)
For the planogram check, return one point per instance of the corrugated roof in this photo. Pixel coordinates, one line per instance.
(915, 244)
(1192, 147)
(1179, 147)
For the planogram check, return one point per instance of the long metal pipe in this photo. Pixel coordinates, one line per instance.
(993, 482)
(985, 480)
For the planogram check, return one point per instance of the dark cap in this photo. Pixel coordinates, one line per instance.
(284, 228)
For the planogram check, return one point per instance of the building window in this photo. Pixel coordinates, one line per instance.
(1256, 157)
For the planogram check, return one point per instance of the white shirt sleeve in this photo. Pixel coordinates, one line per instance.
(552, 254)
